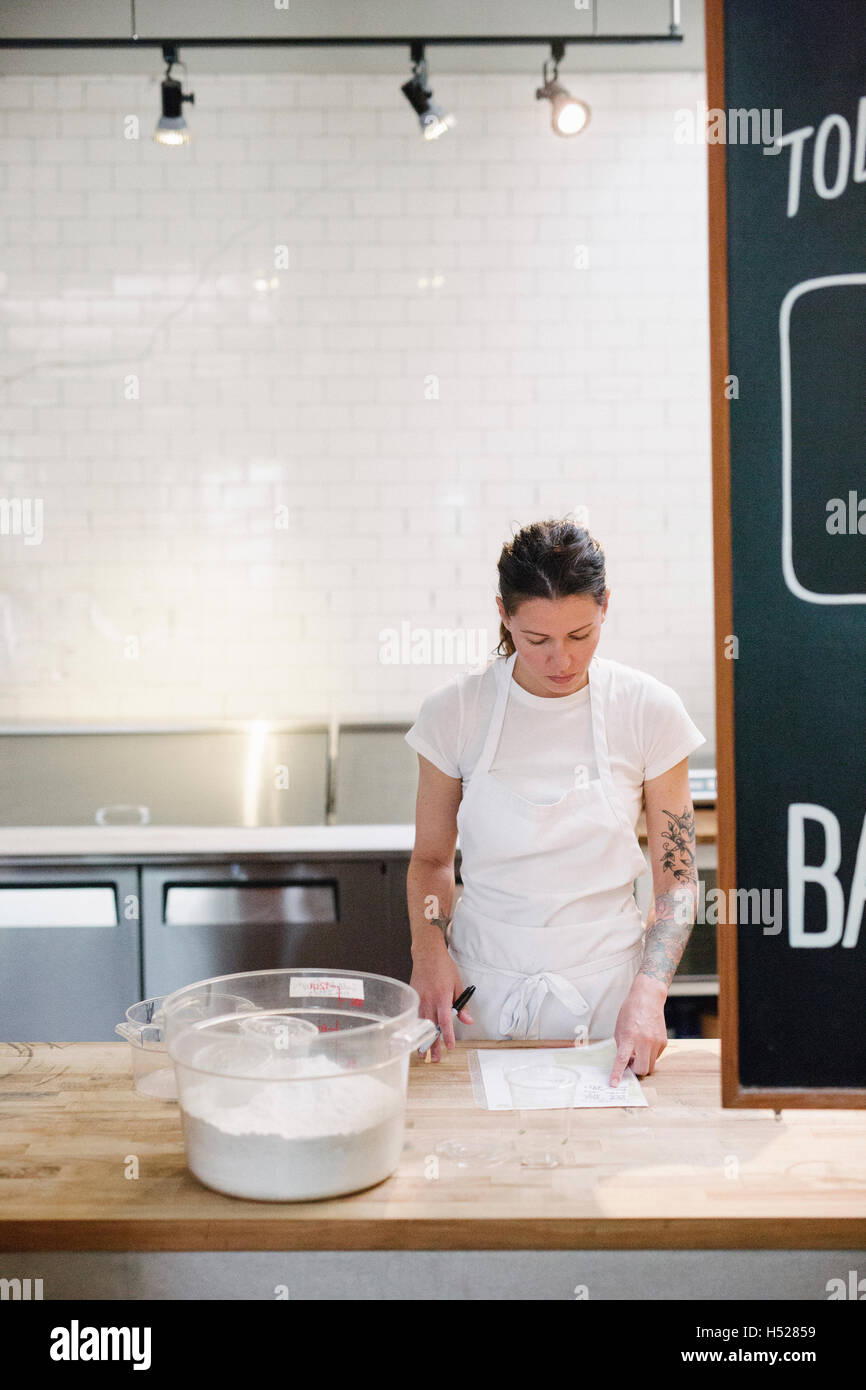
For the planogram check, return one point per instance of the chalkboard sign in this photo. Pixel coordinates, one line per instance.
(788, 322)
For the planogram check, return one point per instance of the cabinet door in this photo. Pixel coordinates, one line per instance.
(221, 919)
(70, 952)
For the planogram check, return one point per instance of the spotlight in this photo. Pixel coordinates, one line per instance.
(432, 119)
(171, 128)
(568, 116)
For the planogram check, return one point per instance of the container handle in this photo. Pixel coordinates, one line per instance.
(103, 814)
(147, 1035)
(420, 1033)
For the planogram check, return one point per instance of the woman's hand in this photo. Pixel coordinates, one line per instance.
(437, 980)
(641, 1035)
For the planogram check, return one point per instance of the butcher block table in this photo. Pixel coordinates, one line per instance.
(654, 1190)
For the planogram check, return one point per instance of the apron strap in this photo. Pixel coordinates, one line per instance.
(502, 672)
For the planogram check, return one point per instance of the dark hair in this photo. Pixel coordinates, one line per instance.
(548, 559)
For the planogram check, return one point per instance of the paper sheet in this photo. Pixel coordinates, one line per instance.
(592, 1062)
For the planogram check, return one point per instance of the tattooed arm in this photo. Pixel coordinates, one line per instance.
(641, 1033)
(670, 820)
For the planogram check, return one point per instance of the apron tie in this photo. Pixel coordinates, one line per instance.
(523, 1002)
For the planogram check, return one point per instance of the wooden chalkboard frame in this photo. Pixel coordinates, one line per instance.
(733, 1093)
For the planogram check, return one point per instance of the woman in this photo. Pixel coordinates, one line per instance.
(539, 762)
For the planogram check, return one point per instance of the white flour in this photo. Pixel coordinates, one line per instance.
(293, 1140)
(161, 1084)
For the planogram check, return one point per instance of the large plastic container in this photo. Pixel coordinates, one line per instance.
(303, 1098)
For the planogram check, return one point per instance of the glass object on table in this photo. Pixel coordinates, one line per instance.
(474, 1153)
(543, 1098)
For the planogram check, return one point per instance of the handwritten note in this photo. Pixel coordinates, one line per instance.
(592, 1062)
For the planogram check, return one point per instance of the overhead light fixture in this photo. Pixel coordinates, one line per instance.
(432, 119)
(171, 128)
(568, 116)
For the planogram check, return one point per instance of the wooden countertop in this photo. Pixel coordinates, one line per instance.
(654, 1178)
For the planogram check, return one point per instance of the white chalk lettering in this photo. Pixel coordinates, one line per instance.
(832, 164)
(837, 927)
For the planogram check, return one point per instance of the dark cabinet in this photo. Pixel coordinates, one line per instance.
(70, 952)
(79, 944)
(220, 919)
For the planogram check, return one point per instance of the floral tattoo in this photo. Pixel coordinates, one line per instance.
(679, 844)
(674, 914)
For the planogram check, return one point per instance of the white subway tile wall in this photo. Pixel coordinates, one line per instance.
(276, 397)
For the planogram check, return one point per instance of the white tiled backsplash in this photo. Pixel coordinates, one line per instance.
(293, 386)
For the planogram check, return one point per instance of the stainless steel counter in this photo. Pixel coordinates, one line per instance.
(136, 842)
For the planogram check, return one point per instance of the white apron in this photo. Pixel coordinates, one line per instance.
(522, 858)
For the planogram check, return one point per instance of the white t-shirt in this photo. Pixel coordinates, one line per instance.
(544, 738)
(537, 756)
